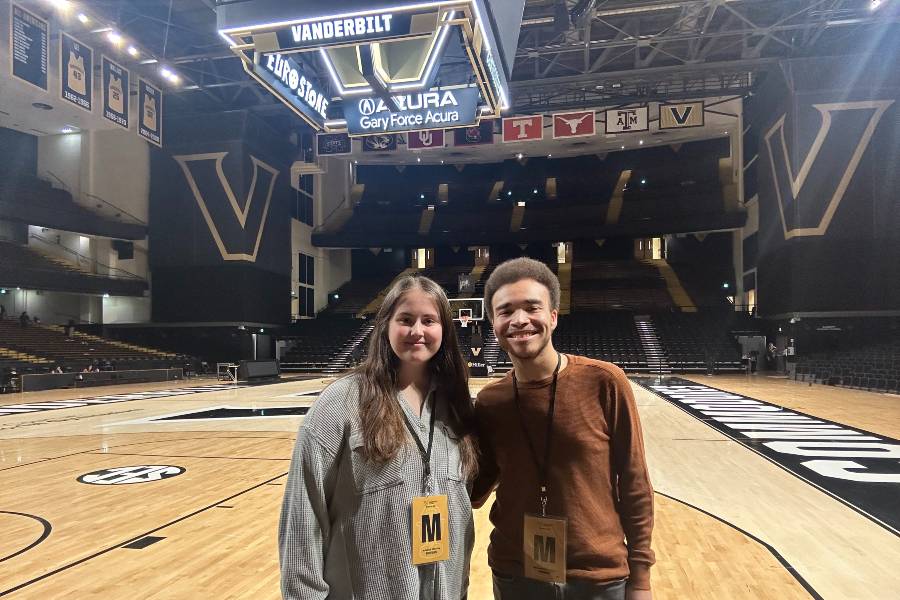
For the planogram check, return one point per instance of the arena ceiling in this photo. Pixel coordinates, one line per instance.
(571, 53)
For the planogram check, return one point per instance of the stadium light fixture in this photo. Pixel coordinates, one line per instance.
(84, 18)
(114, 37)
(61, 5)
(134, 52)
(875, 4)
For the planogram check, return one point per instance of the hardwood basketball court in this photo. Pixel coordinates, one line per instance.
(729, 523)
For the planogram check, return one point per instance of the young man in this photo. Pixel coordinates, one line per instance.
(561, 441)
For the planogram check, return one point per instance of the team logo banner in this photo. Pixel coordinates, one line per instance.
(682, 114)
(150, 112)
(331, 144)
(523, 129)
(29, 41)
(473, 136)
(115, 92)
(76, 68)
(857, 467)
(626, 120)
(574, 124)
(380, 143)
(425, 140)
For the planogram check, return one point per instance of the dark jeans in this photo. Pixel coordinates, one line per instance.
(520, 588)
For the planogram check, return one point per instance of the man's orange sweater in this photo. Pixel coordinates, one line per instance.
(597, 476)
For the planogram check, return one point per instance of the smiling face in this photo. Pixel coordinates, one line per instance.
(523, 320)
(415, 331)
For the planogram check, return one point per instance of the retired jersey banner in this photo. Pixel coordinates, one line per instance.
(574, 124)
(523, 129)
(150, 112)
(76, 72)
(682, 114)
(386, 142)
(115, 88)
(29, 40)
(425, 140)
(331, 144)
(483, 133)
(626, 120)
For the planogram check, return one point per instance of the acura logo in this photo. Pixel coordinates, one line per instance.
(367, 107)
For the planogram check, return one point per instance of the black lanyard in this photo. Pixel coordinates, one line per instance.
(542, 468)
(426, 453)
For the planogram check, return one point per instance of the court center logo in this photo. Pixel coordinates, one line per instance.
(256, 193)
(828, 168)
(129, 475)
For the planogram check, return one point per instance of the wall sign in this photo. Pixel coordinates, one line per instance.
(150, 112)
(286, 79)
(574, 124)
(115, 92)
(29, 37)
(417, 111)
(347, 30)
(523, 129)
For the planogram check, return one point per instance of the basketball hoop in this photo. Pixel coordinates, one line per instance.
(464, 320)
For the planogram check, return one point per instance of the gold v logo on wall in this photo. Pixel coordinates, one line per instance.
(239, 213)
(790, 209)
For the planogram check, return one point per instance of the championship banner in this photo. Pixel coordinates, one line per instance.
(574, 124)
(627, 120)
(483, 133)
(523, 129)
(150, 112)
(680, 115)
(333, 144)
(380, 143)
(115, 92)
(425, 140)
(29, 41)
(76, 72)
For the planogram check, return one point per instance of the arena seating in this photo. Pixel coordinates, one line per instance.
(870, 367)
(41, 346)
(690, 340)
(609, 336)
(617, 284)
(355, 295)
(23, 266)
(324, 344)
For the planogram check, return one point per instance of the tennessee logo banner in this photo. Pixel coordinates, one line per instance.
(523, 129)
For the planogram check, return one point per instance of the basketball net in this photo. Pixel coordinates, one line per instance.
(464, 320)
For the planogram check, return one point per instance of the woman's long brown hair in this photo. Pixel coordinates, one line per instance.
(384, 431)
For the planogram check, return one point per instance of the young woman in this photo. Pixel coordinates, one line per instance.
(378, 445)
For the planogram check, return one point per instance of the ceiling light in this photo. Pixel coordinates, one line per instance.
(640, 142)
(874, 4)
(61, 4)
(149, 61)
(83, 18)
(68, 129)
(114, 37)
(133, 51)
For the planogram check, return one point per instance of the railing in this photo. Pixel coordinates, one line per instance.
(104, 205)
(80, 260)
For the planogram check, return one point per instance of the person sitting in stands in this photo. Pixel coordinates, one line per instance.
(2, 312)
(36, 320)
(57, 370)
(24, 319)
(70, 329)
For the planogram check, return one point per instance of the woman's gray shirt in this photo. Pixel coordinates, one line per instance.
(344, 532)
